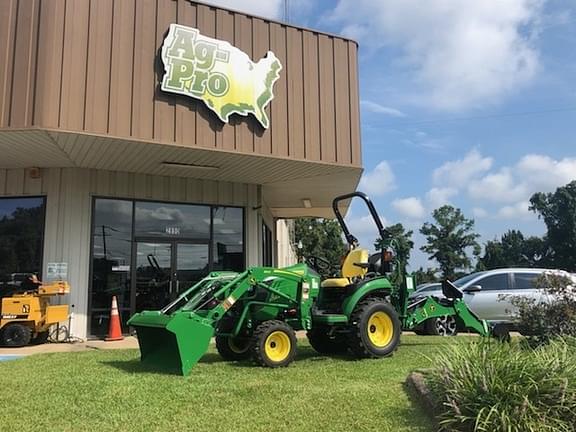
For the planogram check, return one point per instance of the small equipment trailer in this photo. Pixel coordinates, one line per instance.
(255, 314)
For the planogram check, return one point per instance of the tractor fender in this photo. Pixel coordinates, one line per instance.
(366, 289)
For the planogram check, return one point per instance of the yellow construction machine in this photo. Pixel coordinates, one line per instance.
(26, 316)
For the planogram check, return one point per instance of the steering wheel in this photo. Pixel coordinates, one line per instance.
(320, 265)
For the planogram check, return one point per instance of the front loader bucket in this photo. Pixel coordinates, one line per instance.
(172, 342)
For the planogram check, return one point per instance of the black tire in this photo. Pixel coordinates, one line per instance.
(274, 344)
(233, 349)
(445, 326)
(323, 343)
(16, 335)
(420, 331)
(41, 338)
(370, 317)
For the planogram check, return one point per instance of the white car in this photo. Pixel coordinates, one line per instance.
(487, 294)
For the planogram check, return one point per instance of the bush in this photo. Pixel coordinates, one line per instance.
(491, 386)
(552, 316)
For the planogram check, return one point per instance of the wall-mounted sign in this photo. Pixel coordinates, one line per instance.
(56, 271)
(219, 74)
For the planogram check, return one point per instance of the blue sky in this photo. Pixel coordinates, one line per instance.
(467, 103)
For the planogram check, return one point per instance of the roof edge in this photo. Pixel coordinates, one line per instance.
(283, 23)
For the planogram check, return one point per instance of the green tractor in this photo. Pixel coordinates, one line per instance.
(255, 314)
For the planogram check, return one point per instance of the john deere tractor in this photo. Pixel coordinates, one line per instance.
(255, 314)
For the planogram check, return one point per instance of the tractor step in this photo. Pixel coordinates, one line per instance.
(329, 319)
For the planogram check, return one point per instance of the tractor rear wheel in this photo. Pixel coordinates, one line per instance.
(375, 329)
(16, 335)
(324, 343)
(233, 349)
(274, 344)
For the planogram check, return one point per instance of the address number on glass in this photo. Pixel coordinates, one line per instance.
(173, 230)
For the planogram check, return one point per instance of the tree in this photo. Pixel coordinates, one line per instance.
(513, 250)
(401, 241)
(321, 238)
(449, 239)
(558, 210)
(426, 276)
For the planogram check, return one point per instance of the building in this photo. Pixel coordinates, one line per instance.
(123, 186)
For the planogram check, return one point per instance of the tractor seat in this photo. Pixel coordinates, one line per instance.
(335, 283)
(355, 265)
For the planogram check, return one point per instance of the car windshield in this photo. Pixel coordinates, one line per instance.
(433, 287)
(465, 279)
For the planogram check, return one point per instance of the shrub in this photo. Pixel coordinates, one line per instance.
(552, 316)
(491, 386)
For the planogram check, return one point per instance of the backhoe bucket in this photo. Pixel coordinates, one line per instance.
(172, 342)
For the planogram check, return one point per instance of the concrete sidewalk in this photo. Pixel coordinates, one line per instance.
(128, 343)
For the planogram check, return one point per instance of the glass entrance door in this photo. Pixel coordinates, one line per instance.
(163, 270)
(192, 264)
(153, 278)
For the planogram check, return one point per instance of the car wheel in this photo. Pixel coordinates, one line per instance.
(442, 326)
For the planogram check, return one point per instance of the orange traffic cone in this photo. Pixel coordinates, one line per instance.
(115, 329)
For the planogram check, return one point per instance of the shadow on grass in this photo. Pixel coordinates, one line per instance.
(137, 366)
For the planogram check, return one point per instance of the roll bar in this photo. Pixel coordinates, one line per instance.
(353, 241)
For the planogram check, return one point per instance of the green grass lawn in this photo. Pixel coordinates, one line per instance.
(111, 390)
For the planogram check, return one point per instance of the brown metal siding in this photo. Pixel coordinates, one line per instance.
(93, 66)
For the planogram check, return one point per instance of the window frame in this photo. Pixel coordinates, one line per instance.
(515, 286)
(133, 202)
(479, 282)
(44, 199)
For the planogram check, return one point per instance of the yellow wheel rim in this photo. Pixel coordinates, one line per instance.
(380, 329)
(277, 346)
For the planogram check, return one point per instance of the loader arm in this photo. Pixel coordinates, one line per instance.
(177, 336)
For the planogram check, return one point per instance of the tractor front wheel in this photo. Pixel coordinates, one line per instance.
(16, 335)
(324, 343)
(375, 329)
(274, 344)
(233, 349)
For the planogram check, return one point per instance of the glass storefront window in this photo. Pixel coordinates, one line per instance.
(172, 220)
(21, 239)
(111, 261)
(228, 238)
(145, 253)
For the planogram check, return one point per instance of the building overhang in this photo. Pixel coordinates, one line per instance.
(290, 188)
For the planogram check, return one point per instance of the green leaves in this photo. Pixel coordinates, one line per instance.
(558, 210)
(449, 239)
(491, 386)
(321, 238)
(513, 250)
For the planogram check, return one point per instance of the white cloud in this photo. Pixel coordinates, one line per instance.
(364, 229)
(497, 187)
(516, 211)
(458, 173)
(546, 173)
(533, 173)
(409, 207)
(267, 9)
(462, 53)
(479, 212)
(381, 109)
(437, 197)
(378, 181)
